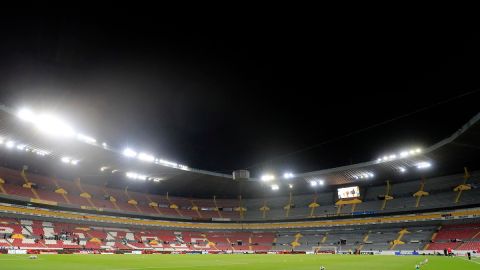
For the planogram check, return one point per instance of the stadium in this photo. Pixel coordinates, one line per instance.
(89, 193)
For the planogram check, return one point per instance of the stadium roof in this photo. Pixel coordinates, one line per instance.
(94, 161)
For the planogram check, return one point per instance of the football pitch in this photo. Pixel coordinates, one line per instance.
(231, 262)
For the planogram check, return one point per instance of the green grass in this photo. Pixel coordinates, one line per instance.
(230, 262)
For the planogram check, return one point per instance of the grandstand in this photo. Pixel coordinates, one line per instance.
(75, 195)
(113, 208)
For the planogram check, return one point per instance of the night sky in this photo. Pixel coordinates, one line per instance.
(262, 93)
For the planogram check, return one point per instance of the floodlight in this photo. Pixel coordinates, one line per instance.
(21, 146)
(146, 157)
(275, 187)
(183, 167)
(313, 183)
(10, 144)
(26, 115)
(1, 140)
(385, 158)
(105, 145)
(404, 154)
(392, 156)
(129, 152)
(402, 169)
(136, 176)
(85, 138)
(103, 168)
(423, 165)
(74, 162)
(267, 177)
(53, 125)
(418, 150)
(321, 182)
(290, 186)
(42, 153)
(65, 159)
(288, 175)
(166, 163)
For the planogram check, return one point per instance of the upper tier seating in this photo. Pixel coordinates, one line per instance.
(440, 189)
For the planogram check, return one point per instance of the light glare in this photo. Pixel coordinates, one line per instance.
(136, 176)
(129, 152)
(26, 115)
(267, 177)
(21, 146)
(423, 165)
(146, 157)
(53, 125)
(85, 138)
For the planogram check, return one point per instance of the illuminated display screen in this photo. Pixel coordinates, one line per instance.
(348, 192)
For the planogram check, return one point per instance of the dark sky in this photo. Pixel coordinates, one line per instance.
(242, 92)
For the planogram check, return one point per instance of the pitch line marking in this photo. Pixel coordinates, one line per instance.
(186, 266)
(473, 261)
